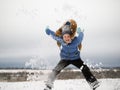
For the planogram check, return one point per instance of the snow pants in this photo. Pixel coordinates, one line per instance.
(78, 63)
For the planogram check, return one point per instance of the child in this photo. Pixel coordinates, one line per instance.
(69, 55)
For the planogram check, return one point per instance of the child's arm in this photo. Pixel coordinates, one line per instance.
(80, 35)
(52, 34)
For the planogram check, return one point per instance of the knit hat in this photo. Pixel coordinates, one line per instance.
(66, 29)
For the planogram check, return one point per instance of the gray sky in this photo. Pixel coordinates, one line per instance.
(22, 25)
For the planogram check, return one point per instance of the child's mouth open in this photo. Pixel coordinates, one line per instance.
(67, 41)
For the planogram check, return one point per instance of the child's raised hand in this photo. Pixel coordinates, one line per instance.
(79, 30)
(47, 30)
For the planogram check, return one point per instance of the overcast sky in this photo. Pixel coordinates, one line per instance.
(23, 22)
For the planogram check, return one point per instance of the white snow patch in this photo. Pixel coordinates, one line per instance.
(72, 84)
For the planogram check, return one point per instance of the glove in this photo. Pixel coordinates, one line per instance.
(78, 30)
(47, 30)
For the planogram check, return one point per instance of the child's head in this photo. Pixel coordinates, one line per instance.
(67, 38)
(66, 33)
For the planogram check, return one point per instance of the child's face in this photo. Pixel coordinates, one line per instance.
(67, 39)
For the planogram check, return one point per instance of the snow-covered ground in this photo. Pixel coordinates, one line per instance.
(72, 84)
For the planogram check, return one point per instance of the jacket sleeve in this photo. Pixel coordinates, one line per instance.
(80, 37)
(57, 38)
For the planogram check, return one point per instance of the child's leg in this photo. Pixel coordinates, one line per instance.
(90, 78)
(61, 65)
(88, 75)
(85, 70)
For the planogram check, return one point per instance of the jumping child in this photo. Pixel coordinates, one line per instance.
(70, 54)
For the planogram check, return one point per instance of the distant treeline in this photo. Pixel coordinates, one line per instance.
(108, 73)
(27, 75)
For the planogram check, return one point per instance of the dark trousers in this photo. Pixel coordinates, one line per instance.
(78, 63)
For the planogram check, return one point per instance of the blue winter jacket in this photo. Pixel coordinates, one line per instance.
(68, 51)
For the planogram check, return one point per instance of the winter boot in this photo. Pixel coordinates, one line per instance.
(94, 85)
(49, 86)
